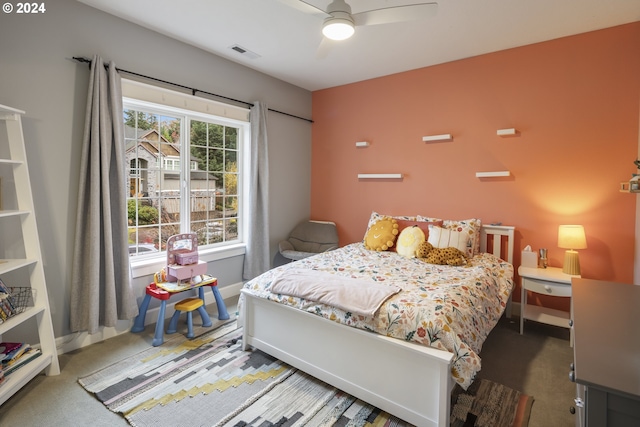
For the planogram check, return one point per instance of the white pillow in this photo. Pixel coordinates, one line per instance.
(409, 240)
(470, 226)
(442, 238)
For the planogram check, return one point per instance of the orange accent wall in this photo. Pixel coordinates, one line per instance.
(575, 102)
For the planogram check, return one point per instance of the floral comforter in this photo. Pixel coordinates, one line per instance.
(448, 308)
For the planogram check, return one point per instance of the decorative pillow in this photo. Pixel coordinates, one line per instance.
(470, 226)
(422, 218)
(409, 240)
(424, 226)
(381, 235)
(375, 217)
(443, 238)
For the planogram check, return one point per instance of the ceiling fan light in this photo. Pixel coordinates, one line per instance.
(338, 28)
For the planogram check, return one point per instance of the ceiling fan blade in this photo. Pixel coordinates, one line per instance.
(388, 15)
(305, 7)
(324, 48)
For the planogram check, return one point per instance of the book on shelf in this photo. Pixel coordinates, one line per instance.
(12, 351)
(28, 356)
(8, 347)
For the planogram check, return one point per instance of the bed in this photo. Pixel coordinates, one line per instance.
(410, 375)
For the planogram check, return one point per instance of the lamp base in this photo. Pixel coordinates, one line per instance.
(571, 263)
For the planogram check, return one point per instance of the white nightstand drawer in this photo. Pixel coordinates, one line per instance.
(547, 288)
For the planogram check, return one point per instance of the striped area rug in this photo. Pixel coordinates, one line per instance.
(210, 381)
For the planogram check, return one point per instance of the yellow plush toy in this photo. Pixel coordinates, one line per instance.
(441, 256)
(382, 234)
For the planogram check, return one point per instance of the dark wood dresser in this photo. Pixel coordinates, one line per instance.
(606, 368)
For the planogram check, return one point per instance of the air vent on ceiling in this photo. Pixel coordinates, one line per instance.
(244, 52)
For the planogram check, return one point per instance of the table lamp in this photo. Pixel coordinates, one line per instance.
(571, 237)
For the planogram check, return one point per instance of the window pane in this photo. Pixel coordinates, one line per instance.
(208, 232)
(231, 228)
(201, 156)
(170, 130)
(216, 159)
(142, 240)
(216, 133)
(168, 230)
(231, 161)
(231, 206)
(198, 133)
(230, 184)
(231, 138)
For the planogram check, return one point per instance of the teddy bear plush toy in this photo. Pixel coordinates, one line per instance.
(441, 256)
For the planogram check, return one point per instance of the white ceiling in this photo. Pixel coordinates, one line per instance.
(287, 39)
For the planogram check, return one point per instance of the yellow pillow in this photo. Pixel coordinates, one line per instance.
(381, 235)
(409, 240)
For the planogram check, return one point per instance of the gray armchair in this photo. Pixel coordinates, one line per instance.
(309, 238)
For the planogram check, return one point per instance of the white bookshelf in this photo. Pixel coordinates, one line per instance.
(22, 254)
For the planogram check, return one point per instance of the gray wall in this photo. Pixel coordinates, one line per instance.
(37, 75)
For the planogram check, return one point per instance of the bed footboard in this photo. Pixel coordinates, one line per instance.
(409, 381)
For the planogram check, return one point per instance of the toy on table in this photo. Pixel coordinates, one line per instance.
(184, 271)
(182, 259)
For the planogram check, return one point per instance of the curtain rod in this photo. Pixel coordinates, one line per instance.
(193, 90)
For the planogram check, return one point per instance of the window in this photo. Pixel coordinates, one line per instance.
(164, 197)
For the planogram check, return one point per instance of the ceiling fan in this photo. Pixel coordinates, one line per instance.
(340, 23)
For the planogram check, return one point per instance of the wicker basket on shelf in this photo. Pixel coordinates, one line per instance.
(15, 302)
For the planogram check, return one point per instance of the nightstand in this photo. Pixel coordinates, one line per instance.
(545, 281)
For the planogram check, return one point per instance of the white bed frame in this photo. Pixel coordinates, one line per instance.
(410, 381)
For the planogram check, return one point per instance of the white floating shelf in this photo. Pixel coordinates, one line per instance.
(380, 176)
(507, 132)
(492, 174)
(435, 138)
(362, 144)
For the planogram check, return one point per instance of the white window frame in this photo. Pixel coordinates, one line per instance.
(143, 96)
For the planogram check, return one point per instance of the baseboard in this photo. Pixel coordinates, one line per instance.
(78, 340)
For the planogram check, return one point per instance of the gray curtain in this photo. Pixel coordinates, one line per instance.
(101, 289)
(257, 258)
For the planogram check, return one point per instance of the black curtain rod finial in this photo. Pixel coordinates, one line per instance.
(81, 59)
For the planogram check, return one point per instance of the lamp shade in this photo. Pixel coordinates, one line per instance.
(338, 27)
(571, 237)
